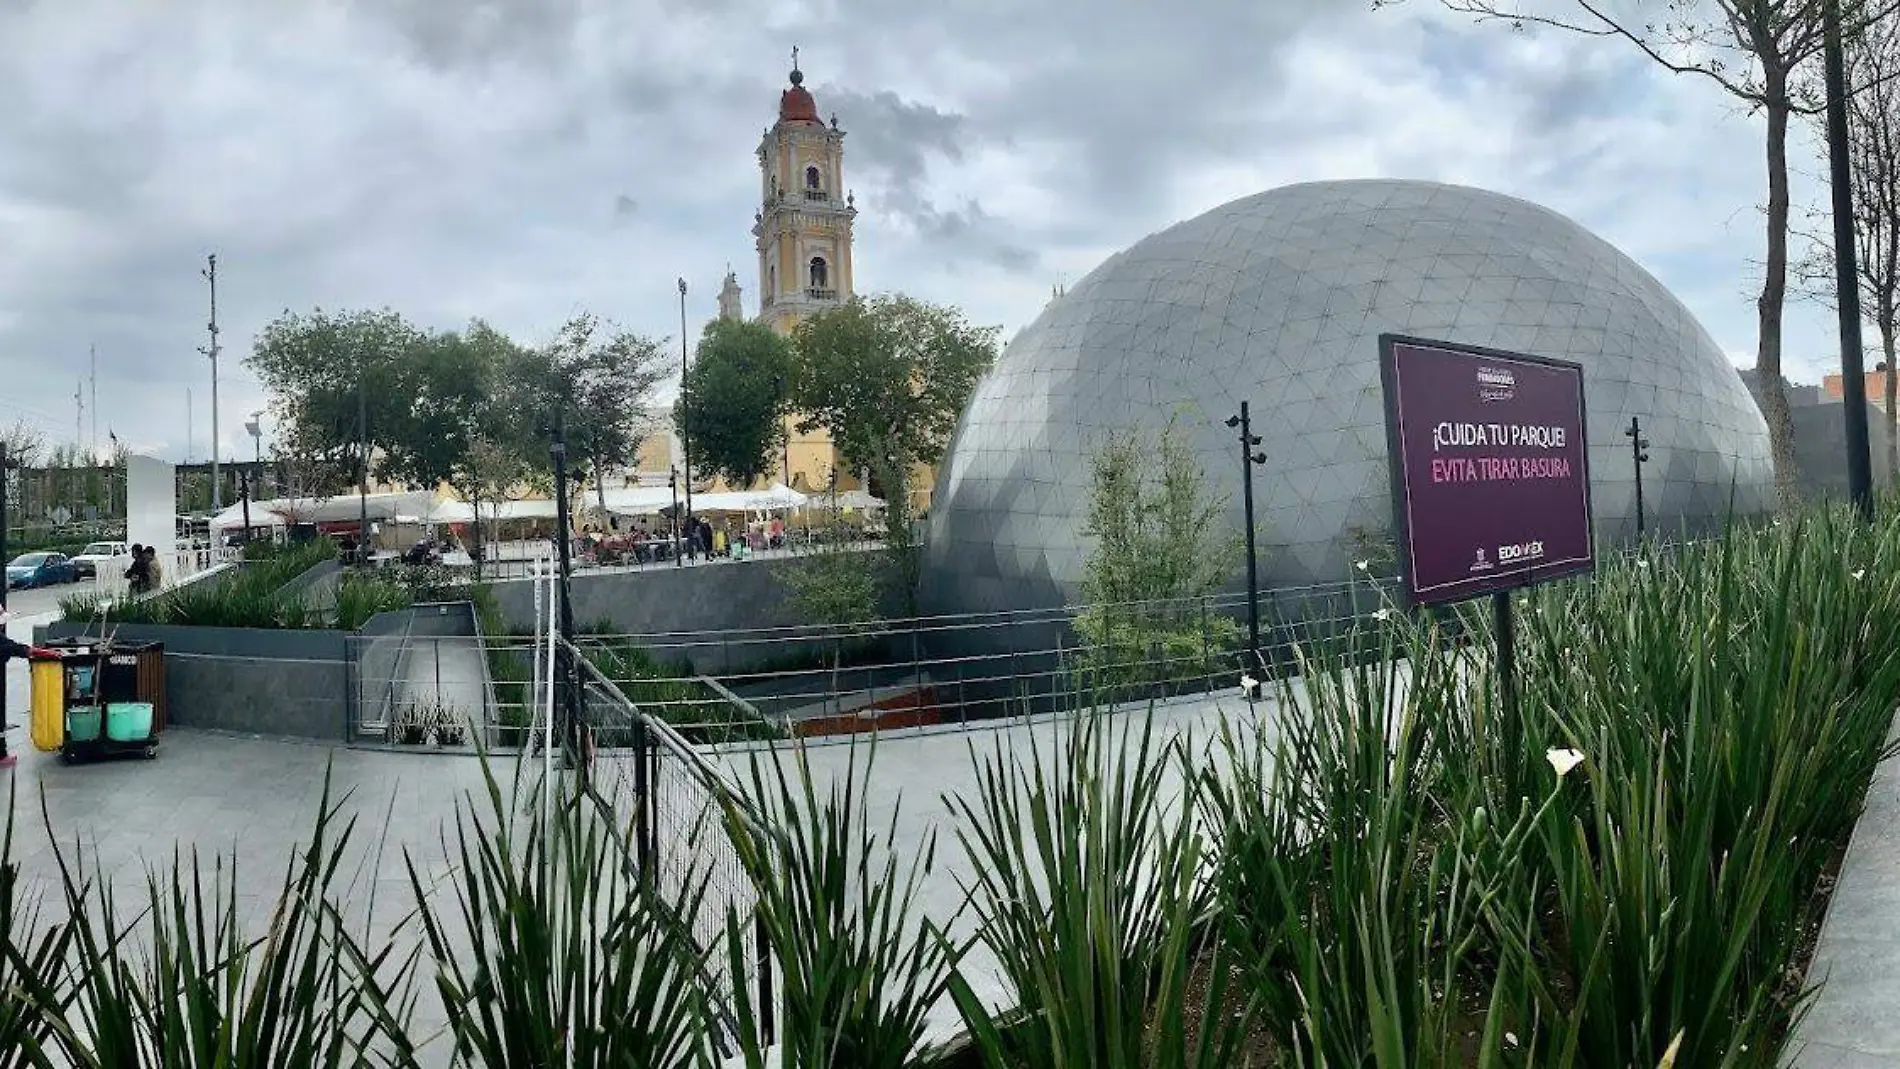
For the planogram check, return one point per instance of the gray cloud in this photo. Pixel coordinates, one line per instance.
(449, 35)
(895, 143)
(523, 159)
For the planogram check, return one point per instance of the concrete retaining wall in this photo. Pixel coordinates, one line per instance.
(709, 614)
(304, 684)
(295, 683)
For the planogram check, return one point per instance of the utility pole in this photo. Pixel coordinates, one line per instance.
(211, 275)
(686, 431)
(1639, 454)
(79, 448)
(93, 442)
(1860, 476)
(1249, 457)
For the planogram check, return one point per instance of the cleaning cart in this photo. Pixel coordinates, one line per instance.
(94, 699)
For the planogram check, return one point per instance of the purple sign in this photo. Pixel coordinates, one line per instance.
(1490, 476)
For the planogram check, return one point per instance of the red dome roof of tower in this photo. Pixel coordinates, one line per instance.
(796, 104)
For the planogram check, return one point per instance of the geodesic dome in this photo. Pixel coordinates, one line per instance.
(1279, 299)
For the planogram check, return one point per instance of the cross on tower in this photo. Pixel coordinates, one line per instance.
(794, 57)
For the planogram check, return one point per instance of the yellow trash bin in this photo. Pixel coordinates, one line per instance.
(48, 680)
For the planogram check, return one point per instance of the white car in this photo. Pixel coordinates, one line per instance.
(98, 555)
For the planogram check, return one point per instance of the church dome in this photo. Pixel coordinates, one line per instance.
(796, 104)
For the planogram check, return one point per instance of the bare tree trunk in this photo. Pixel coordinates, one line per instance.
(1887, 388)
(475, 535)
(1774, 292)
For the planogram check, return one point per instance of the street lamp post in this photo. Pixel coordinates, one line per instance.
(1249, 457)
(573, 728)
(686, 430)
(1860, 481)
(211, 275)
(255, 429)
(362, 468)
(673, 484)
(244, 494)
(1639, 454)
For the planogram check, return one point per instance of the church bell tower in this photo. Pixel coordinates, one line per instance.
(803, 226)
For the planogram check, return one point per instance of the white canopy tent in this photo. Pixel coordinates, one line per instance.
(652, 501)
(382, 508)
(775, 497)
(463, 512)
(858, 499)
(232, 518)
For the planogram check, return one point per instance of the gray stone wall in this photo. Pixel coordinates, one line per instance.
(303, 684)
(294, 683)
(722, 617)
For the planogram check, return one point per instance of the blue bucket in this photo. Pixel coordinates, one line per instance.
(129, 721)
(82, 723)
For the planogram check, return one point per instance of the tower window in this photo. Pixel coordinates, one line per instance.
(813, 180)
(820, 274)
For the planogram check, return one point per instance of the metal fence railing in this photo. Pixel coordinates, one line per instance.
(734, 685)
(679, 805)
(727, 686)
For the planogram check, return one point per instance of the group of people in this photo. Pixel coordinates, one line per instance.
(699, 538)
(146, 574)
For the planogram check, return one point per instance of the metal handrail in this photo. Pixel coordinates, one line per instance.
(668, 738)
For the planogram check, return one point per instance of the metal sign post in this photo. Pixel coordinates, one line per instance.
(1490, 478)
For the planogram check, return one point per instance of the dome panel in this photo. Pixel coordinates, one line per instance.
(1279, 299)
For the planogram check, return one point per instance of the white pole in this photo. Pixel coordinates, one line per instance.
(534, 690)
(553, 631)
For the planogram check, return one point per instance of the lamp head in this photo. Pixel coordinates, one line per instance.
(1233, 421)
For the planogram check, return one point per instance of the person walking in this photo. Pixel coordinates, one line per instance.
(138, 579)
(9, 650)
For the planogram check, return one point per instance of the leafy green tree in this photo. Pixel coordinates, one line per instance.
(839, 589)
(319, 367)
(595, 381)
(734, 400)
(888, 377)
(1162, 545)
(451, 383)
(461, 428)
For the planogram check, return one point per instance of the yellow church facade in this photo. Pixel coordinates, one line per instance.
(802, 234)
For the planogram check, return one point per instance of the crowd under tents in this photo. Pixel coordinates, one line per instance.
(423, 509)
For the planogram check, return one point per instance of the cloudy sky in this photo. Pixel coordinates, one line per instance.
(520, 160)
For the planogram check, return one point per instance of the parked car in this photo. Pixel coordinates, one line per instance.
(30, 570)
(96, 555)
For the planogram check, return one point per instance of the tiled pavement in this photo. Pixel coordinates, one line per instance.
(220, 793)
